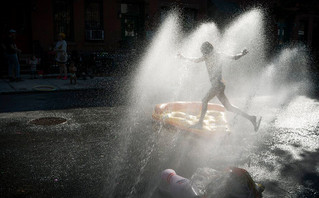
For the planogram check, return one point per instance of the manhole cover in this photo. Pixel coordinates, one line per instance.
(44, 88)
(48, 121)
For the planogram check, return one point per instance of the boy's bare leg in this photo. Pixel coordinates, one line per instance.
(210, 95)
(229, 107)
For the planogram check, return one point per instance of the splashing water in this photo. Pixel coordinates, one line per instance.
(164, 77)
(252, 82)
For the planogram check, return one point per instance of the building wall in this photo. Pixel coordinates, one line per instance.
(42, 27)
(79, 26)
(42, 21)
(112, 23)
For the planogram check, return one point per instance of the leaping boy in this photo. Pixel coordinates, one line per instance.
(217, 85)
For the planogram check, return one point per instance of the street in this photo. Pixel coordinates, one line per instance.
(79, 81)
(115, 151)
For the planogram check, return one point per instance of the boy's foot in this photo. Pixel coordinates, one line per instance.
(256, 123)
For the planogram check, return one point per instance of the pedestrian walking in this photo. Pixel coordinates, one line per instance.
(12, 56)
(61, 55)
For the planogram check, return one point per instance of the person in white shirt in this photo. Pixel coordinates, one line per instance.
(61, 55)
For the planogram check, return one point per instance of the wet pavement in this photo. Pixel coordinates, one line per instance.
(28, 85)
(27, 95)
(59, 100)
(116, 150)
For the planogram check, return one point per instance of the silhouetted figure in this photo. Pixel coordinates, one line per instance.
(72, 70)
(12, 56)
(61, 55)
(218, 87)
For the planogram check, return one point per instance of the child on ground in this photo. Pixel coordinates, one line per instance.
(33, 62)
(72, 70)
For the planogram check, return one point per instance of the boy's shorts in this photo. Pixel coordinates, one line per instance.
(218, 86)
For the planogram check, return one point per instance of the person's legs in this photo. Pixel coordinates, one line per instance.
(16, 66)
(10, 66)
(210, 95)
(65, 71)
(60, 69)
(229, 107)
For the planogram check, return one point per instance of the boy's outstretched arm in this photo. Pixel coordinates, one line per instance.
(241, 54)
(195, 60)
(237, 56)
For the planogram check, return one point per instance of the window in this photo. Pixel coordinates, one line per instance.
(130, 29)
(302, 30)
(94, 20)
(131, 20)
(63, 18)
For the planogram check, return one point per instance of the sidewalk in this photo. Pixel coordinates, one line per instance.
(34, 85)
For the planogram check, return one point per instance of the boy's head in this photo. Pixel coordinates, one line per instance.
(206, 48)
(33, 57)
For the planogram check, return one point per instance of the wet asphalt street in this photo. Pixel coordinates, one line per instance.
(113, 150)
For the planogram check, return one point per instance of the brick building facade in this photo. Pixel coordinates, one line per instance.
(89, 24)
(112, 25)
